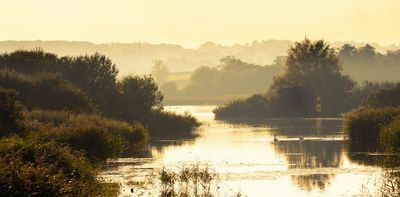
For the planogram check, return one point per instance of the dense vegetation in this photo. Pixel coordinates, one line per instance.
(232, 77)
(29, 168)
(312, 84)
(82, 84)
(61, 117)
(373, 125)
(364, 125)
(365, 63)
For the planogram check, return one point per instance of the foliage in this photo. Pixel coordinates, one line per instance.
(390, 136)
(29, 168)
(79, 84)
(10, 112)
(363, 126)
(29, 62)
(364, 63)
(46, 91)
(169, 125)
(193, 181)
(384, 98)
(99, 138)
(312, 84)
(254, 106)
(362, 92)
(138, 96)
(231, 77)
(95, 74)
(189, 181)
(312, 74)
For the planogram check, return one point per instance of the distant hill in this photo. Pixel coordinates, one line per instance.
(137, 58)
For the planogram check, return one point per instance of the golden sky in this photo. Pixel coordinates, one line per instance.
(191, 22)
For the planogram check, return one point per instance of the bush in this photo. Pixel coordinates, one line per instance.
(10, 112)
(390, 136)
(255, 106)
(384, 98)
(46, 91)
(169, 125)
(363, 126)
(29, 168)
(138, 96)
(99, 138)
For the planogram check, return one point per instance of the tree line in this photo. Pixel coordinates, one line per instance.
(312, 84)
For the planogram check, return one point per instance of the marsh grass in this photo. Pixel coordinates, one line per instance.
(108, 138)
(190, 181)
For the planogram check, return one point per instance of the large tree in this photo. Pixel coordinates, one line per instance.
(313, 72)
(138, 97)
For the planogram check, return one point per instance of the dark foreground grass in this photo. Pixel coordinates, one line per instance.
(29, 168)
(97, 137)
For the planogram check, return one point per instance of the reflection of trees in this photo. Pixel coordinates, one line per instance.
(312, 181)
(311, 153)
(293, 127)
(159, 146)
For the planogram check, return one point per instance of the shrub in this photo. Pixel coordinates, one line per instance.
(390, 136)
(10, 112)
(46, 91)
(384, 98)
(138, 96)
(363, 126)
(99, 138)
(255, 106)
(29, 168)
(169, 125)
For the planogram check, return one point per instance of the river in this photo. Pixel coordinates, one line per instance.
(242, 152)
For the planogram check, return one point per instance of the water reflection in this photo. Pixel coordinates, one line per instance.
(294, 127)
(311, 153)
(312, 182)
(309, 158)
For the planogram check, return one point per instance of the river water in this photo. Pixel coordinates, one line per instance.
(242, 152)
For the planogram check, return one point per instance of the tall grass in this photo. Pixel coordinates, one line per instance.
(99, 138)
(363, 127)
(29, 168)
(189, 181)
(390, 136)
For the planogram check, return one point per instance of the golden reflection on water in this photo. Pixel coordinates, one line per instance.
(243, 153)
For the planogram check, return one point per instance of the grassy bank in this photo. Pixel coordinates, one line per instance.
(363, 127)
(61, 117)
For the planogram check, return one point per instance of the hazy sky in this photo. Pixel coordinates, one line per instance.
(191, 22)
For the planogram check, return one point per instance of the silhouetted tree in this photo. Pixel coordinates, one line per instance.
(94, 74)
(314, 69)
(30, 62)
(139, 95)
(384, 98)
(347, 51)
